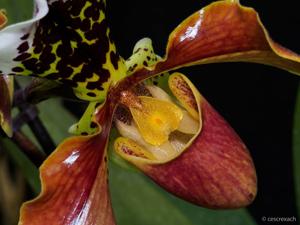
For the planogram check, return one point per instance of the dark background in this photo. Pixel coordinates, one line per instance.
(257, 100)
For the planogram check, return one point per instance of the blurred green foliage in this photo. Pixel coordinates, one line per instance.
(137, 200)
(17, 10)
(296, 149)
(29, 171)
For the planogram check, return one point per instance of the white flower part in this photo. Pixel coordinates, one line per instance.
(10, 37)
(161, 152)
(158, 93)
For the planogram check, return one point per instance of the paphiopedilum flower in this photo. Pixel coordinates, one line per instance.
(174, 136)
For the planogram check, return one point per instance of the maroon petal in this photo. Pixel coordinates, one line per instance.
(216, 171)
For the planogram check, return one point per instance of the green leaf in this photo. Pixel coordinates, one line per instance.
(136, 200)
(212, 217)
(29, 170)
(296, 150)
(56, 119)
(17, 10)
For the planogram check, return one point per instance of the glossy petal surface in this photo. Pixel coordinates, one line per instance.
(74, 183)
(224, 31)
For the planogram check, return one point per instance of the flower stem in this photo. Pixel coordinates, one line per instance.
(29, 148)
(36, 126)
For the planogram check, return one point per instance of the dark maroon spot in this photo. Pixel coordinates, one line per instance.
(38, 49)
(64, 50)
(85, 25)
(114, 59)
(30, 64)
(22, 57)
(25, 36)
(250, 196)
(23, 47)
(71, 83)
(91, 94)
(137, 50)
(93, 125)
(17, 69)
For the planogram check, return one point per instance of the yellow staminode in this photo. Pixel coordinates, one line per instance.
(156, 119)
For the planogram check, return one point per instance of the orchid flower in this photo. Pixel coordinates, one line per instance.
(166, 127)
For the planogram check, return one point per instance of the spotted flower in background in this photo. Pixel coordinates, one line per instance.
(166, 127)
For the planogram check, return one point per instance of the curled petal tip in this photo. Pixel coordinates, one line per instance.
(224, 31)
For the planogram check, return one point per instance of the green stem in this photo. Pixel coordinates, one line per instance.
(29, 148)
(37, 128)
